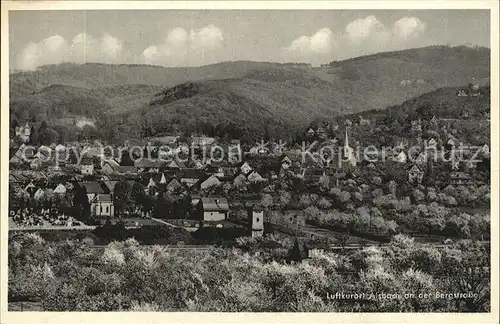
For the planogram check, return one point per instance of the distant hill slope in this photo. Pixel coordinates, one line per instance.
(249, 94)
(466, 118)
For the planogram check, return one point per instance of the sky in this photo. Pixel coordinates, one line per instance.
(198, 37)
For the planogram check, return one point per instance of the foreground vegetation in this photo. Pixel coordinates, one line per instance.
(71, 276)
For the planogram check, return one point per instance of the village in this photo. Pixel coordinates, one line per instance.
(294, 189)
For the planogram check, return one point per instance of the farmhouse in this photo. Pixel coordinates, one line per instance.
(213, 209)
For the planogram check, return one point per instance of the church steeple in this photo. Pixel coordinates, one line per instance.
(348, 151)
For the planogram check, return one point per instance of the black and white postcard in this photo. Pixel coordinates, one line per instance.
(194, 161)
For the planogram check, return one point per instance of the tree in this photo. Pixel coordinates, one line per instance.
(121, 197)
(81, 203)
(126, 159)
(284, 198)
(266, 201)
(47, 136)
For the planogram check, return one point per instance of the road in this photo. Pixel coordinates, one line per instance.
(164, 222)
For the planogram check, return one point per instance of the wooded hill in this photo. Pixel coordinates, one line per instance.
(236, 98)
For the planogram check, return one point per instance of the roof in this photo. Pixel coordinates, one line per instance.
(214, 204)
(124, 169)
(190, 174)
(92, 187)
(459, 175)
(87, 160)
(415, 168)
(148, 163)
(102, 198)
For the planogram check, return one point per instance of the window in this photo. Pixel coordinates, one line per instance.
(257, 220)
(107, 209)
(101, 209)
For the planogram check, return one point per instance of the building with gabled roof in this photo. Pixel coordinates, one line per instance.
(415, 174)
(101, 206)
(92, 188)
(213, 209)
(459, 178)
(209, 182)
(174, 185)
(254, 176)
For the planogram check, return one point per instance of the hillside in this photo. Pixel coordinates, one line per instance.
(256, 97)
(466, 118)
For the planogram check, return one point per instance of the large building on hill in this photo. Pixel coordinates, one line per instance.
(24, 132)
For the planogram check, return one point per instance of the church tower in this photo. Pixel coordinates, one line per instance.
(348, 151)
(255, 221)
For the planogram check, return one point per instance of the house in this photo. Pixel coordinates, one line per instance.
(60, 189)
(347, 123)
(432, 143)
(416, 125)
(240, 180)
(459, 178)
(245, 168)
(190, 177)
(24, 132)
(310, 132)
(434, 121)
(22, 155)
(148, 165)
(197, 164)
(213, 209)
(254, 176)
(415, 175)
(174, 185)
(401, 157)
(451, 142)
(60, 148)
(405, 83)
(255, 220)
(462, 93)
(39, 194)
(102, 206)
(421, 158)
(286, 162)
(92, 188)
(30, 188)
(111, 167)
(362, 121)
(165, 140)
(470, 164)
(210, 182)
(485, 149)
(151, 187)
(202, 140)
